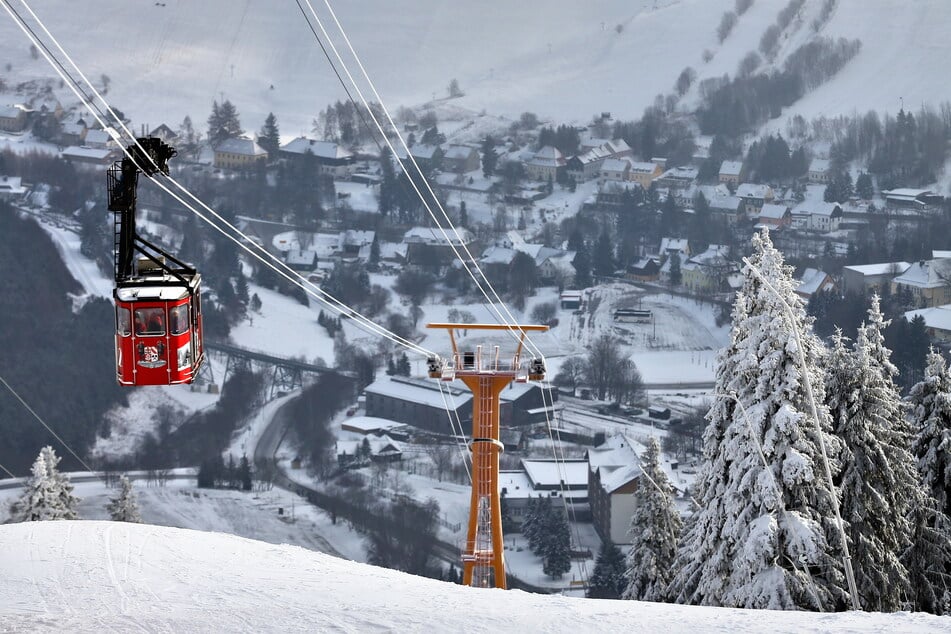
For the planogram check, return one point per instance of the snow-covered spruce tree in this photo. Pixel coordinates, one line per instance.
(123, 507)
(607, 579)
(48, 494)
(879, 480)
(929, 558)
(556, 550)
(765, 536)
(655, 529)
(931, 421)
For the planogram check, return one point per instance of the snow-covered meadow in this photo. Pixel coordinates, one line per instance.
(99, 576)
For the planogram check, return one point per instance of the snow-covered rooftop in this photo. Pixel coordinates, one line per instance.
(548, 473)
(937, 317)
(425, 391)
(242, 146)
(322, 149)
(731, 168)
(881, 268)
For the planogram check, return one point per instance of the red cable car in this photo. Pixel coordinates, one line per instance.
(157, 296)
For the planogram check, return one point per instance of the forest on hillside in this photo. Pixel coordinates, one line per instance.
(60, 361)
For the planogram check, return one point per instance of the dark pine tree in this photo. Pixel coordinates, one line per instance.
(607, 580)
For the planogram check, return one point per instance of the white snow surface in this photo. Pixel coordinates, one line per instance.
(92, 576)
(564, 60)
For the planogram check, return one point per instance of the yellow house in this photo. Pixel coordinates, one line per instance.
(644, 173)
(241, 153)
(927, 281)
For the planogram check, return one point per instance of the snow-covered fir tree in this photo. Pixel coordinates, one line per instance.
(878, 481)
(124, 507)
(929, 558)
(655, 529)
(607, 579)
(48, 494)
(765, 535)
(556, 551)
(931, 420)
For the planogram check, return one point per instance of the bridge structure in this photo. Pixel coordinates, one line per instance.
(282, 374)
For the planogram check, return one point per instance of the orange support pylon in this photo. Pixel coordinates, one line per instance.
(483, 557)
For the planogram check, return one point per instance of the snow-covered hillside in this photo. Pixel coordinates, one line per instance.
(564, 60)
(104, 576)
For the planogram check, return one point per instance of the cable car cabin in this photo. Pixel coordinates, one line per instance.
(158, 330)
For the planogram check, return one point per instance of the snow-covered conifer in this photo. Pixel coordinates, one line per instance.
(607, 579)
(929, 558)
(878, 481)
(931, 420)
(123, 507)
(48, 494)
(655, 529)
(765, 534)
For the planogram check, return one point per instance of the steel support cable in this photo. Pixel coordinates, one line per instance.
(43, 423)
(7, 471)
(324, 297)
(511, 319)
(507, 322)
(452, 426)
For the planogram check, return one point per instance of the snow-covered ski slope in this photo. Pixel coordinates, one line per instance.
(104, 576)
(563, 60)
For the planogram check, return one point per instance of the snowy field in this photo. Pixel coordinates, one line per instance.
(104, 576)
(564, 60)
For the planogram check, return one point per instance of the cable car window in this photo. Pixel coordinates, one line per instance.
(178, 319)
(123, 322)
(150, 321)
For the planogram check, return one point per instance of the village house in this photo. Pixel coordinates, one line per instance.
(773, 216)
(11, 188)
(677, 178)
(754, 196)
(571, 300)
(72, 132)
(88, 158)
(929, 282)
(427, 246)
(644, 270)
(98, 139)
(13, 118)
(331, 159)
(731, 172)
(819, 171)
(368, 449)
(587, 165)
(239, 153)
(461, 159)
(871, 278)
(937, 321)
(707, 272)
(819, 216)
(614, 170)
(562, 480)
(644, 173)
(613, 477)
(547, 164)
(165, 133)
(813, 281)
(370, 426)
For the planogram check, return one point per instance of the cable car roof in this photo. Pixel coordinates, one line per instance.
(151, 293)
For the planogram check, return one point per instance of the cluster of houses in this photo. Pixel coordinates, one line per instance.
(598, 488)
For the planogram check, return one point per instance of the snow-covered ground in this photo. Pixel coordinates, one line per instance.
(565, 62)
(105, 576)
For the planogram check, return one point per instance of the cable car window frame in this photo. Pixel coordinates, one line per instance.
(175, 317)
(148, 314)
(127, 331)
